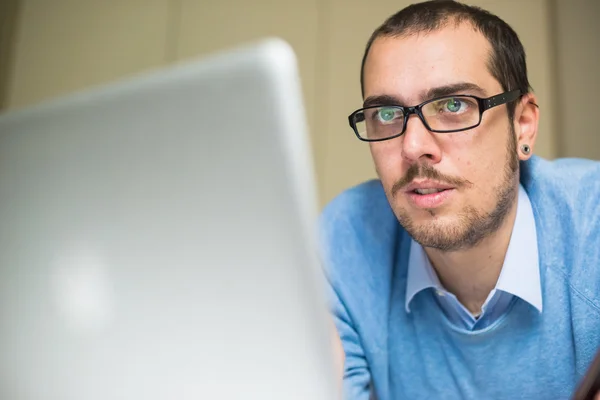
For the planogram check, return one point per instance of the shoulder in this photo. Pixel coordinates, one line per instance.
(564, 176)
(358, 222)
(565, 195)
(358, 238)
(356, 210)
(568, 188)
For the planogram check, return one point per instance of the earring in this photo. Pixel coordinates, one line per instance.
(525, 149)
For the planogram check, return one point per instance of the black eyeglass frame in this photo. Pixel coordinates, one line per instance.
(484, 105)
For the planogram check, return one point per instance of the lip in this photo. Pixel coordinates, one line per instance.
(432, 200)
(427, 185)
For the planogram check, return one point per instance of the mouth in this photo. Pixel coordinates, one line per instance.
(428, 191)
(429, 194)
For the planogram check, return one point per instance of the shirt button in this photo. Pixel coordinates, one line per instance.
(440, 293)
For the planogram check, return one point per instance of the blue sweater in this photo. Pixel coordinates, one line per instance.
(419, 355)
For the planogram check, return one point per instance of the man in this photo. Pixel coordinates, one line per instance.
(470, 269)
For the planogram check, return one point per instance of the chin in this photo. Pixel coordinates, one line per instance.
(443, 238)
(445, 214)
(431, 228)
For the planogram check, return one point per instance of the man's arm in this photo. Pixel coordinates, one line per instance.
(353, 369)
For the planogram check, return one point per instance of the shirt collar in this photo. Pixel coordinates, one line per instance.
(520, 275)
(421, 274)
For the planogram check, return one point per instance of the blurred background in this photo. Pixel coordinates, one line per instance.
(52, 47)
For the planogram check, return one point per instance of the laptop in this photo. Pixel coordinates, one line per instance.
(157, 239)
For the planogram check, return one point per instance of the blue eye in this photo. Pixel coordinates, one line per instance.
(386, 114)
(453, 105)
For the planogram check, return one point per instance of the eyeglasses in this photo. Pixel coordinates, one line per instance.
(442, 115)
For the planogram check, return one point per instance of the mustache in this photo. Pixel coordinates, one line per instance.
(426, 171)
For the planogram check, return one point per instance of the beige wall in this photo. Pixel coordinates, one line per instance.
(577, 39)
(8, 24)
(66, 45)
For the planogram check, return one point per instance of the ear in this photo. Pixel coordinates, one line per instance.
(526, 121)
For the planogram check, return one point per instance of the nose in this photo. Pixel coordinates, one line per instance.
(419, 143)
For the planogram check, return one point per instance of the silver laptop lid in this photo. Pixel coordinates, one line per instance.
(156, 239)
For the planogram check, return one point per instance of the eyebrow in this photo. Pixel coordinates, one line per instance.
(455, 88)
(441, 91)
(380, 100)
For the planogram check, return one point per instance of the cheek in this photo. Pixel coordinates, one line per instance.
(483, 176)
(480, 154)
(481, 161)
(388, 162)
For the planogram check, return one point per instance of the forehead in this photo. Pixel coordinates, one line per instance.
(408, 66)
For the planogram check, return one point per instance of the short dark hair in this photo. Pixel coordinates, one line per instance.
(507, 60)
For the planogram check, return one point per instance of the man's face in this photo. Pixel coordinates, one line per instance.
(475, 169)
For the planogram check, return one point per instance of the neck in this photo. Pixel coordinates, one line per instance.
(472, 274)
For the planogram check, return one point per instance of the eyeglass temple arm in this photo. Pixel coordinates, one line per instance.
(501, 99)
(504, 98)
